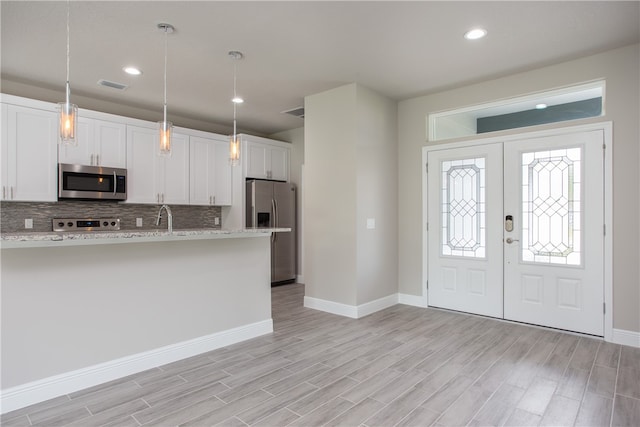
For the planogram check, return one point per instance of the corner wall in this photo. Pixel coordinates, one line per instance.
(350, 177)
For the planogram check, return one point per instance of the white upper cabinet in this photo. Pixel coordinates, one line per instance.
(100, 143)
(266, 159)
(29, 154)
(152, 178)
(210, 171)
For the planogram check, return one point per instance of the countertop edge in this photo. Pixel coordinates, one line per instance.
(52, 239)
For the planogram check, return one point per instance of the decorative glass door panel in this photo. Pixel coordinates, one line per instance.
(463, 207)
(551, 206)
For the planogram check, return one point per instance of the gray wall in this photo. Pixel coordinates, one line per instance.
(620, 68)
(350, 176)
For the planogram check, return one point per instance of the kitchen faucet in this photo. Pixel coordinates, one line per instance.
(169, 217)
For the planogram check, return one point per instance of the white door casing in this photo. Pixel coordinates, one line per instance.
(559, 288)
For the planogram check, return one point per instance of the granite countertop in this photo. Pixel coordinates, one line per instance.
(56, 239)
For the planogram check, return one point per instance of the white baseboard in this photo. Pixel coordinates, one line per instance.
(415, 300)
(352, 311)
(331, 307)
(630, 338)
(38, 391)
(376, 305)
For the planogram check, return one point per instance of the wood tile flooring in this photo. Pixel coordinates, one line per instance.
(403, 366)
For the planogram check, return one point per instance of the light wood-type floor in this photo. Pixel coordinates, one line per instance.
(402, 366)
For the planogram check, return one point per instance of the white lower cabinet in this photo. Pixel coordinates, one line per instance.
(152, 178)
(29, 154)
(100, 143)
(210, 171)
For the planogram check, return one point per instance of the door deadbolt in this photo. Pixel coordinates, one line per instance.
(508, 223)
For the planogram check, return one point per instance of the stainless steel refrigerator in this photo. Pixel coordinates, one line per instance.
(273, 204)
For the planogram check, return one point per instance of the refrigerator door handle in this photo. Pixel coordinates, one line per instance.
(274, 223)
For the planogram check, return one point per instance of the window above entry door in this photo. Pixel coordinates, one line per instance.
(552, 106)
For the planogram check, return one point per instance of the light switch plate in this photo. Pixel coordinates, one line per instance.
(371, 223)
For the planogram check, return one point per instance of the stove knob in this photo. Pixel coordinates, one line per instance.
(113, 223)
(61, 224)
(105, 223)
(70, 224)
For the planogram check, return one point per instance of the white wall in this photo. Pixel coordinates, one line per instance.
(350, 176)
(621, 69)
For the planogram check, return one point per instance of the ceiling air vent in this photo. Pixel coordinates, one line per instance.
(297, 112)
(112, 85)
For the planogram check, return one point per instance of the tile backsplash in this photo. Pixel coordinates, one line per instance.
(13, 214)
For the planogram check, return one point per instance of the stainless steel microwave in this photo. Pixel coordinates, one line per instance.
(91, 182)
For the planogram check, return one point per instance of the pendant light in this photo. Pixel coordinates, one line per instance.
(165, 127)
(68, 111)
(234, 140)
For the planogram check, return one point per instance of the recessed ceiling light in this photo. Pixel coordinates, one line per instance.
(541, 106)
(134, 71)
(475, 34)
(237, 100)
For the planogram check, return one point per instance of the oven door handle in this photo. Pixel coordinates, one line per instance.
(115, 183)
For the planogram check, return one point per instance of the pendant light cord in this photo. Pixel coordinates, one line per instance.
(67, 89)
(166, 34)
(235, 72)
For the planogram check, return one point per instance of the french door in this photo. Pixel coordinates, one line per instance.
(516, 230)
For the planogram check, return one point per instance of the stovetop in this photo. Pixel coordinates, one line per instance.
(86, 224)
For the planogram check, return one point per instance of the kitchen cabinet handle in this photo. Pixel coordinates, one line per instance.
(91, 160)
(158, 197)
(4, 191)
(115, 180)
(214, 200)
(162, 197)
(97, 159)
(11, 188)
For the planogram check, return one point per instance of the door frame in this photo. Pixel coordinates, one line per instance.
(607, 130)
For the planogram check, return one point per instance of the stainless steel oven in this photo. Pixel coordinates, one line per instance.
(91, 182)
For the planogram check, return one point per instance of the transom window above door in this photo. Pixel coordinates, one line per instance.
(558, 105)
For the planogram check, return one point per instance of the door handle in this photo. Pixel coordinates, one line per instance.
(509, 240)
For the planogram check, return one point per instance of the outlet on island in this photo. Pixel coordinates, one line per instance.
(216, 221)
(28, 223)
(138, 222)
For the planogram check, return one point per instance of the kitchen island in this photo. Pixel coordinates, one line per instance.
(80, 309)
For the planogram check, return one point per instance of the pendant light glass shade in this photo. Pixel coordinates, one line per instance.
(234, 140)
(68, 118)
(234, 150)
(68, 112)
(165, 127)
(166, 132)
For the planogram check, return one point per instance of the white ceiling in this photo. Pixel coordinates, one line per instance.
(292, 49)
